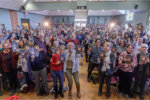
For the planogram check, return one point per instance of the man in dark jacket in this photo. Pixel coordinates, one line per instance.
(38, 67)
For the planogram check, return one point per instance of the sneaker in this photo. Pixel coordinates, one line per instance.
(142, 98)
(99, 93)
(56, 95)
(61, 94)
(88, 79)
(107, 97)
(134, 95)
(12, 92)
(120, 94)
(127, 97)
(18, 90)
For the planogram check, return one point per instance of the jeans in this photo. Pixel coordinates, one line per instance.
(27, 78)
(57, 75)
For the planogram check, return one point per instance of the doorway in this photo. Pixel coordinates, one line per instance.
(26, 23)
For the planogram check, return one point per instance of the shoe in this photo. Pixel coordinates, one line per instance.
(142, 98)
(134, 96)
(127, 97)
(70, 90)
(78, 92)
(56, 95)
(120, 94)
(46, 94)
(99, 93)
(61, 94)
(107, 97)
(6, 89)
(1, 93)
(56, 92)
(88, 79)
(38, 94)
(18, 90)
(12, 92)
(31, 88)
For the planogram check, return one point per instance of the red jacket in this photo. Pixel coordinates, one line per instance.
(54, 66)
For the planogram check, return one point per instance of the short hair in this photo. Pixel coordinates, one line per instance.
(71, 43)
(130, 45)
(144, 45)
(96, 40)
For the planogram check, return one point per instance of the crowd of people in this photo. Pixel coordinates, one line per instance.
(37, 51)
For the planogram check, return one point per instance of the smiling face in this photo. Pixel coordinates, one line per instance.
(130, 49)
(143, 49)
(6, 46)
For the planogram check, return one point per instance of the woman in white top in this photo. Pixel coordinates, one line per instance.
(71, 67)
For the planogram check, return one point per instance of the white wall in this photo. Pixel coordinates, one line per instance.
(139, 17)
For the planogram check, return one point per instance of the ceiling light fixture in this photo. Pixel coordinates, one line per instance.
(24, 1)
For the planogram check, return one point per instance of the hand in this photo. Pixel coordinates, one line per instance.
(32, 57)
(98, 60)
(82, 49)
(62, 59)
(58, 62)
(141, 63)
(40, 49)
(1, 75)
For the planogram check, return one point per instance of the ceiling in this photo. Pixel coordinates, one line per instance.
(16, 5)
(11, 4)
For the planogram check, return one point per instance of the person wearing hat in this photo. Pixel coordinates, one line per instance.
(142, 71)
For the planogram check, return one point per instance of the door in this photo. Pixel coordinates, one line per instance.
(26, 23)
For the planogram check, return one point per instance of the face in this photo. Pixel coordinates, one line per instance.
(98, 43)
(6, 46)
(70, 46)
(106, 47)
(143, 49)
(130, 49)
(122, 42)
(140, 41)
(21, 43)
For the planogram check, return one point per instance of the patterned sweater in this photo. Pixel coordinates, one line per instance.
(127, 67)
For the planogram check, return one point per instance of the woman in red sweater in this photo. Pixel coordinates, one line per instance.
(57, 73)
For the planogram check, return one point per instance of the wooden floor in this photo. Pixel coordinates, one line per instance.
(89, 91)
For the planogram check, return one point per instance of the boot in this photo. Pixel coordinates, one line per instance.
(56, 92)
(70, 90)
(78, 92)
(60, 92)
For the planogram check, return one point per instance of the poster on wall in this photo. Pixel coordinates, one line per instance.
(129, 15)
